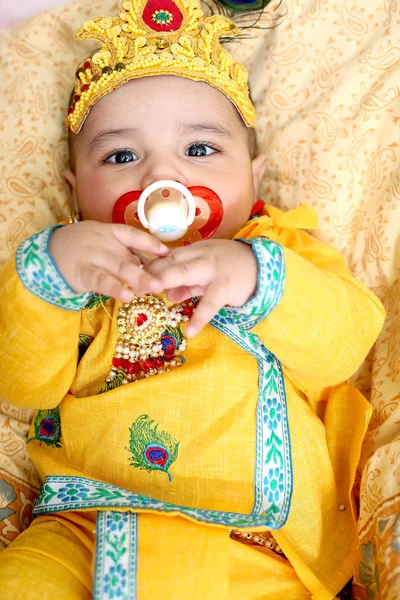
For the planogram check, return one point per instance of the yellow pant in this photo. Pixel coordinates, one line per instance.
(52, 559)
(178, 560)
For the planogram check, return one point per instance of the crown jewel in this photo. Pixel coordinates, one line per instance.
(158, 37)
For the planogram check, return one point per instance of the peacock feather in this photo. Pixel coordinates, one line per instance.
(96, 300)
(47, 427)
(171, 338)
(152, 450)
(247, 5)
(248, 15)
(84, 343)
(115, 382)
(175, 331)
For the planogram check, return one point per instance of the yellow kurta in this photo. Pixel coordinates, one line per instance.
(320, 332)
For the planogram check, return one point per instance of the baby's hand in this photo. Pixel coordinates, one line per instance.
(224, 272)
(100, 257)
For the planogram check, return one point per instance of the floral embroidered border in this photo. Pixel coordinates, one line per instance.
(273, 477)
(65, 493)
(116, 556)
(270, 283)
(39, 274)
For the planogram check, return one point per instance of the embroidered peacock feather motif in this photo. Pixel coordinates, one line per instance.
(115, 382)
(84, 342)
(47, 427)
(96, 300)
(152, 450)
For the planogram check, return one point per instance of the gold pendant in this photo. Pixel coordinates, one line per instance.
(151, 340)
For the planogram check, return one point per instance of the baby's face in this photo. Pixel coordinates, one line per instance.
(164, 128)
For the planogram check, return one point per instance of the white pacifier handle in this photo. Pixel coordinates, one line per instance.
(166, 183)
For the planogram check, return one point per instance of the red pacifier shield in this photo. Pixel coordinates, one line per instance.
(209, 213)
(125, 209)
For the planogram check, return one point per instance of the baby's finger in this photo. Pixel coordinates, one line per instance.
(139, 240)
(183, 254)
(125, 267)
(198, 272)
(139, 280)
(183, 293)
(212, 301)
(104, 283)
(114, 259)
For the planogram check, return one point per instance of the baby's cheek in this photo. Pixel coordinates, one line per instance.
(236, 216)
(96, 198)
(238, 204)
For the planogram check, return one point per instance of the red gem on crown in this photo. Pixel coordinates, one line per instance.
(162, 15)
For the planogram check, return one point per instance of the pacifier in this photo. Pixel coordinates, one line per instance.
(167, 217)
(173, 213)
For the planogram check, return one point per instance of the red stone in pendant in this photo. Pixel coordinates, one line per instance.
(140, 319)
(117, 362)
(133, 368)
(147, 365)
(125, 363)
(158, 362)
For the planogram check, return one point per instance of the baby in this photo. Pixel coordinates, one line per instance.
(163, 482)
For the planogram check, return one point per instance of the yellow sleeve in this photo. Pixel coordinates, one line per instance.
(38, 345)
(326, 321)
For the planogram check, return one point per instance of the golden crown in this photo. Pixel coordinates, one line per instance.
(158, 37)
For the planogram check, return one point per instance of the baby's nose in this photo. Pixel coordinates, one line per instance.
(162, 169)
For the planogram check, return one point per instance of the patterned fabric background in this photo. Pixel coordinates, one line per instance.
(16, 11)
(326, 86)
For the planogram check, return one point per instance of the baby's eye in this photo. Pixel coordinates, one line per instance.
(200, 150)
(122, 156)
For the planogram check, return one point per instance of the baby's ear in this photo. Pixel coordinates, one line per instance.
(70, 178)
(258, 165)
